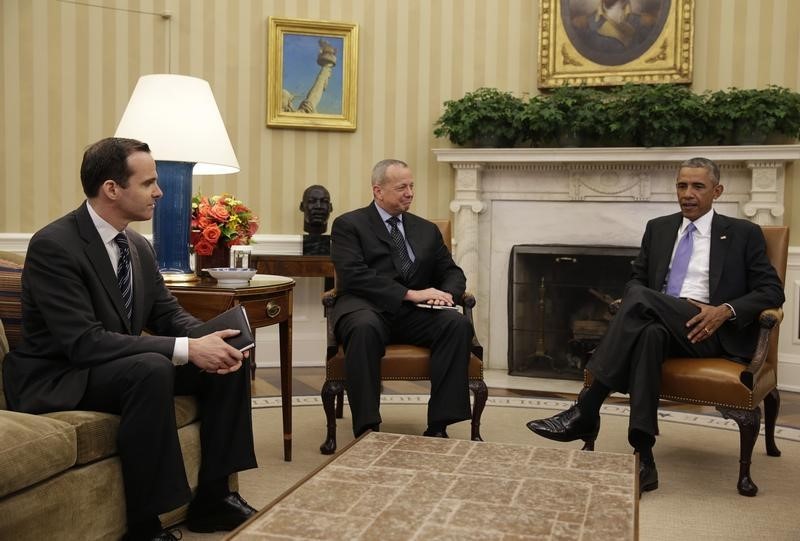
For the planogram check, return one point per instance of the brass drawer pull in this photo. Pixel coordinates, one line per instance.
(273, 309)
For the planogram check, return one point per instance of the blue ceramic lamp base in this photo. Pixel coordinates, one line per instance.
(172, 221)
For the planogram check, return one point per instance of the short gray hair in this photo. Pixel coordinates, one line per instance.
(379, 171)
(703, 163)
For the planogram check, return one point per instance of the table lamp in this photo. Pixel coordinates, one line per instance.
(178, 118)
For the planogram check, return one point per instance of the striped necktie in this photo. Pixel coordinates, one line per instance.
(124, 273)
(399, 245)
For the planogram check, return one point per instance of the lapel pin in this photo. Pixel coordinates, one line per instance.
(723, 237)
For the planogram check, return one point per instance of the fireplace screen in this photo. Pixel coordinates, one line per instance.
(558, 305)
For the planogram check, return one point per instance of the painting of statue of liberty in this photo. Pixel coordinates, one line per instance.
(312, 74)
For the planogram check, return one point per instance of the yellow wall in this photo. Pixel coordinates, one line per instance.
(68, 71)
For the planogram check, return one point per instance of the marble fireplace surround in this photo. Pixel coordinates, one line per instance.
(583, 196)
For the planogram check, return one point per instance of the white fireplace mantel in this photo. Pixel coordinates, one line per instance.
(583, 196)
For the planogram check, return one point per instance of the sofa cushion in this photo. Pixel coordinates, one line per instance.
(33, 448)
(10, 298)
(3, 351)
(97, 432)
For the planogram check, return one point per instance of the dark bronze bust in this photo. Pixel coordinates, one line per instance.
(316, 207)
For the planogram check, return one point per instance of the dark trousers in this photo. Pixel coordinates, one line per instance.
(648, 327)
(141, 389)
(365, 335)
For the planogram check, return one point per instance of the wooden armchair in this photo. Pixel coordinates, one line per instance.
(401, 362)
(737, 390)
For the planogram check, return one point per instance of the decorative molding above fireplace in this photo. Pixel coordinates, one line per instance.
(601, 196)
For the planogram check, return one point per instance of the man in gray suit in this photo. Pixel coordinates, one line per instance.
(90, 286)
(387, 261)
(699, 284)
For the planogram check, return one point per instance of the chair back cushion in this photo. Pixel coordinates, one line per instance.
(447, 232)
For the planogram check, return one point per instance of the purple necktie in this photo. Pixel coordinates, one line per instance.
(680, 263)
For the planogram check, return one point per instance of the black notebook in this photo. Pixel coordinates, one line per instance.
(234, 318)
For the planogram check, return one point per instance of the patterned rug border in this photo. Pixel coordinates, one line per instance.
(712, 421)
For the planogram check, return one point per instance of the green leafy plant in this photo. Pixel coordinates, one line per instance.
(751, 115)
(634, 114)
(537, 123)
(584, 113)
(483, 118)
(664, 115)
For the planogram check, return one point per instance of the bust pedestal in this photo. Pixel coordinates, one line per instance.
(316, 245)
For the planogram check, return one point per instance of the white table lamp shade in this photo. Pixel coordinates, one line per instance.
(178, 118)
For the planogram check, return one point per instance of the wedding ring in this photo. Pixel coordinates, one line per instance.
(705, 330)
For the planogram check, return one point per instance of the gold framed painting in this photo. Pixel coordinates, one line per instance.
(312, 74)
(612, 42)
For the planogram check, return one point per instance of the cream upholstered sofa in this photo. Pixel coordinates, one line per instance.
(60, 477)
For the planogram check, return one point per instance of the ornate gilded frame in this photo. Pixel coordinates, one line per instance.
(322, 83)
(574, 49)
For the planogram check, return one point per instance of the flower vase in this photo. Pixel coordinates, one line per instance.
(220, 257)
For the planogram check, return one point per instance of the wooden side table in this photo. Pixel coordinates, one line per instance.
(268, 301)
(303, 266)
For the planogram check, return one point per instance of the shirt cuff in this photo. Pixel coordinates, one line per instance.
(732, 311)
(180, 355)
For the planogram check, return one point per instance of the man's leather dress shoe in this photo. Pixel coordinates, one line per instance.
(435, 433)
(648, 477)
(225, 514)
(569, 425)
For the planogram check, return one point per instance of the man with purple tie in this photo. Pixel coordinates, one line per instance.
(699, 283)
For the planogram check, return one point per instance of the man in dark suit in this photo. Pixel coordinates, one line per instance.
(90, 286)
(387, 261)
(699, 283)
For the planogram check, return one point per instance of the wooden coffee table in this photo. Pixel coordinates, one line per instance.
(392, 486)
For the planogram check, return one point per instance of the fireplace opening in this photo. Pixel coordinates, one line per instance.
(558, 299)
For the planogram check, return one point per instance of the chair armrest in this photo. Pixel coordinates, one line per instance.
(767, 320)
(468, 300)
(329, 299)
(468, 303)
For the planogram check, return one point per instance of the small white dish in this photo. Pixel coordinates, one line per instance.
(230, 276)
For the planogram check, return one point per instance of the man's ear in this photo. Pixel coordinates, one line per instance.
(718, 189)
(302, 207)
(110, 189)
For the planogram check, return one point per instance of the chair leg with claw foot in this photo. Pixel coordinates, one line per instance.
(772, 404)
(329, 392)
(481, 393)
(749, 422)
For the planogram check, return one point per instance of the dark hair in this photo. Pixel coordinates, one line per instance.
(107, 160)
(703, 163)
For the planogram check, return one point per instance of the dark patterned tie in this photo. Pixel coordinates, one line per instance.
(680, 262)
(124, 273)
(399, 245)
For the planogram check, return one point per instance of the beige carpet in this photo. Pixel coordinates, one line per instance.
(698, 465)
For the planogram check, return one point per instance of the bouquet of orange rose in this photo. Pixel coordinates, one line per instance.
(220, 220)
